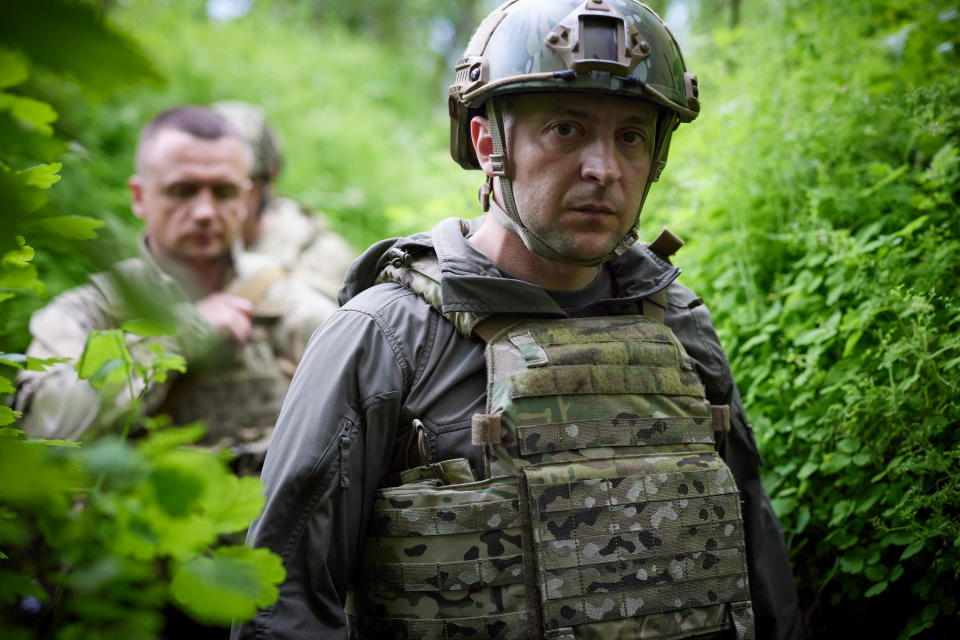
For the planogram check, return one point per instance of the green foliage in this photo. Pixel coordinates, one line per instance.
(105, 535)
(98, 539)
(827, 245)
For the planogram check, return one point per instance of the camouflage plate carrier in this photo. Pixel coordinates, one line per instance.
(606, 512)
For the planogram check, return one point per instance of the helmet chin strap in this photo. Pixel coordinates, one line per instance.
(509, 216)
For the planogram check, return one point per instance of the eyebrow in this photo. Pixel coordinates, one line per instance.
(577, 113)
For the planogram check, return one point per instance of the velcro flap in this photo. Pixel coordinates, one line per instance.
(485, 429)
(721, 417)
(533, 354)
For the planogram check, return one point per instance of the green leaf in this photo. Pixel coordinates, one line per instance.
(33, 113)
(849, 445)
(42, 176)
(21, 361)
(234, 503)
(912, 550)
(14, 68)
(876, 589)
(228, 586)
(149, 328)
(71, 227)
(807, 470)
(851, 563)
(105, 359)
(876, 573)
(861, 459)
(8, 415)
(176, 490)
(783, 506)
(73, 38)
(6, 385)
(851, 343)
(896, 572)
(803, 519)
(834, 462)
(20, 257)
(73, 444)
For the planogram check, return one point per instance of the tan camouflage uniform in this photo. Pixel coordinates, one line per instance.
(301, 242)
(237, 389)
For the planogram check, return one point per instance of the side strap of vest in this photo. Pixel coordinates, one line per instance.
(655, 305)
(720, 415)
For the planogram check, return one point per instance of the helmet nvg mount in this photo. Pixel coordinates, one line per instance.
(614, 47)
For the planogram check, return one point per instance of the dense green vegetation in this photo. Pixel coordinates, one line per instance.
(819, 195)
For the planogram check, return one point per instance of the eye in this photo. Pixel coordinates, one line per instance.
(225, 191)
(633, 137)
(564, 129)
(182, 190)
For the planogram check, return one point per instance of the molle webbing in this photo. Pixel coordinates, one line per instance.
(608, 512)
(504, 626)
(633, 432)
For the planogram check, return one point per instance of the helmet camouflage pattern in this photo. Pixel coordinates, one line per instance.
(251, 123)
(614, 47)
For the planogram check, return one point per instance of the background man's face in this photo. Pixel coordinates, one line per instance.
(580, 165)
(192, 194)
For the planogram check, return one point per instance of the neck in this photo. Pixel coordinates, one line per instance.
(507, 251)
(197, 277)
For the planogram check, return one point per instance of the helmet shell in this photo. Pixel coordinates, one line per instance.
(251, 123)
(618, 47)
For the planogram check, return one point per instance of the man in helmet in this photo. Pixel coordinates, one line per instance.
(280, 228)
(522, 426)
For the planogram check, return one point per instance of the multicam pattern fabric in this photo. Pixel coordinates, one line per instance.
(530, 21)
(607, 513)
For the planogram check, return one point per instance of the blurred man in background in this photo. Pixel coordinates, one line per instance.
(295, 238)
(242, 325)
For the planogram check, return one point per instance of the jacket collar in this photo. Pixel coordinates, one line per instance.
(471, 282)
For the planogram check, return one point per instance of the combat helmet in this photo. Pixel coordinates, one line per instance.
(616, 47)
(251, 123)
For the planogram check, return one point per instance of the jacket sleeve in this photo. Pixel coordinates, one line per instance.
(333, 441)
(772, 589)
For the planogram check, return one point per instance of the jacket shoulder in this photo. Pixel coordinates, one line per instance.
(690, 319)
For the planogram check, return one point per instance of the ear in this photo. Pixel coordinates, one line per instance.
(135, 184)
(482, 142)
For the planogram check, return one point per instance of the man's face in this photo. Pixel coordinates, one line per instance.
(580, 163)
(192, 194)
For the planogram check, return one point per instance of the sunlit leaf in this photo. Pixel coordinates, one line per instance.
(14, 68)
(71, 227)
(8, 415)
(234, 503)
(231, 584)
(105, 359)
(33, 113)
(149, 328)
(42, 176)
(176, 489)
(21, 361)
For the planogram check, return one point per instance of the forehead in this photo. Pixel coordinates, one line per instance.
(589, 106)
(175, 154)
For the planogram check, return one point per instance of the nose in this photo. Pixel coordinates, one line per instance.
(204, 206)
(600, 164)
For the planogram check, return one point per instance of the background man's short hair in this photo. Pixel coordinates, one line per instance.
(200, 122)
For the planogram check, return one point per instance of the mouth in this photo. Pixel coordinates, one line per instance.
(594, 208)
